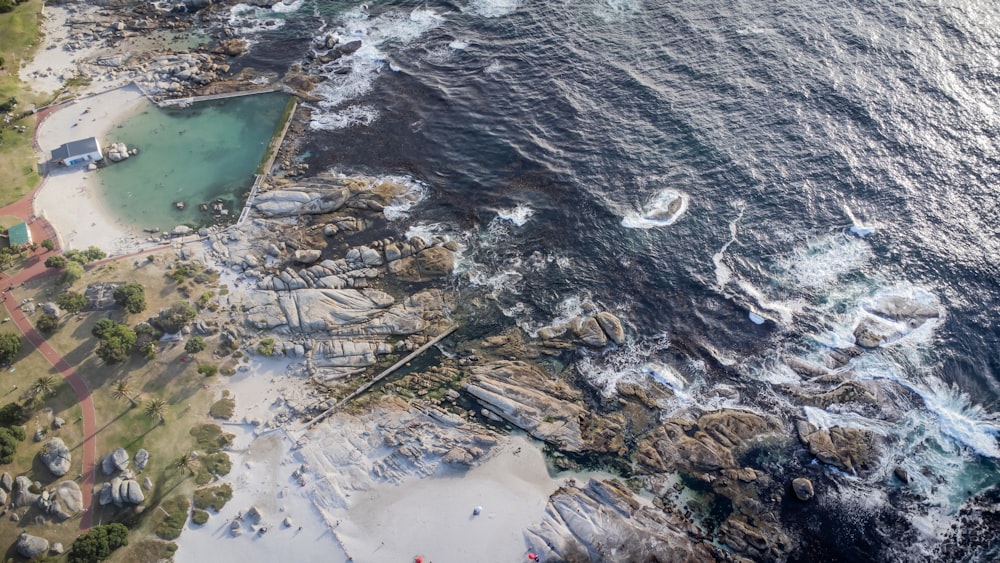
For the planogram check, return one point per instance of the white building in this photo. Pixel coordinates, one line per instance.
(84, 150)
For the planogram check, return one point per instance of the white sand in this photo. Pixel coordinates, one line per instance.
(53, 64)
(431, 517)
(67, 197)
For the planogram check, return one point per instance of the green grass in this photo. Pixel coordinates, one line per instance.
(19, 37)
(210, 438)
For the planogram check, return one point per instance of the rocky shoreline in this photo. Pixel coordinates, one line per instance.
(340, 296)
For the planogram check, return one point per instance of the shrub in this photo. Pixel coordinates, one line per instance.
(13, 414)
(117, 340)
(47, 323)
(223, 408)
(194, 345)
(210, 438)
(10, 345)
(71, 301)
(213, 497)
(199, 517)
(47, 244)
(72, 273)
(175, 317)
(8, 445)
(266, 347)
(176, 509)
(98, 543)
(55, 261)
(208, 370)
(149, 351)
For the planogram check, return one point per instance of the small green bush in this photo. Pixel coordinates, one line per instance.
(223, 408)
(266, 347)
(213, 497)
(199, 517)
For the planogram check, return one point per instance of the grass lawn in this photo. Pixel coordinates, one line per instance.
(19, 37)
(119, 423)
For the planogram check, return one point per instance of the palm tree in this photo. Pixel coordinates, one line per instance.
(45, 385)
(123, 389)
(155, 409)
(184, 462)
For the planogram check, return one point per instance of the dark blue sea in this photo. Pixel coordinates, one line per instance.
(739, 181)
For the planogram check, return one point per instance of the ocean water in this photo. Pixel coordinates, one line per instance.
(738, 181)
(198, 154)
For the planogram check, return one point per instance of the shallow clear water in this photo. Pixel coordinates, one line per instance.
(197, 154)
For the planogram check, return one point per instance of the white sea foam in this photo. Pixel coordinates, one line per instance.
(493, 8)
(286, 6)
(458, 45)
(857, 227)
(495, 67)
(350, 116)
(248, 19)
(402, 203)
(663, 210)
(352, 76)
(517, 216)
(823, 260)
(613, 11)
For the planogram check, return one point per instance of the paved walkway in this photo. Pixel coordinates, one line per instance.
(34, 268)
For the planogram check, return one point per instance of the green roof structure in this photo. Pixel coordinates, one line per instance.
(19, 234)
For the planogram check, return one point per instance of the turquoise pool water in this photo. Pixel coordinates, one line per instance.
(198, 154)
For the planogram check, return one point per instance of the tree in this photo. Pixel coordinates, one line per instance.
(208, 370)
(72, 273)
(194, 345)
(71, 301)
(131, 296)
(184, 461)
(123, 390)
(93, 253)
(155, 408)
(8, 445)
(47, 323)
(98, 543)
(117, 340)
(47, 244)
(13, 414)
(44, 385)
(174, 318)
(10, 345)
(55, 261)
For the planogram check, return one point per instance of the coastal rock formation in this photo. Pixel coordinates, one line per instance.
(594, 331)
(548, 409)
(117, 152)
(115, 461)
(300, 201)
(849, 449)
(803, 488)
(392, 443)
(603, 521)
(56, 457)
(30, 547)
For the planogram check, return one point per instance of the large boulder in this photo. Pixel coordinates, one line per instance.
(612, 326)
(141, 459)
(67, 500)
(115, 461)
(31, 546)
(6, 482)
(22, 495)
(803, 488)
(132, 492)
(283, 203)
(56, 457)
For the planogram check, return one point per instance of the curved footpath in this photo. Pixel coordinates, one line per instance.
(34, 268)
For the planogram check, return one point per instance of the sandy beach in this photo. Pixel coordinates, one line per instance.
(340, 512)
(66, 197)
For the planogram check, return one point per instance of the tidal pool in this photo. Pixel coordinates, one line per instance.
(197, 155)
